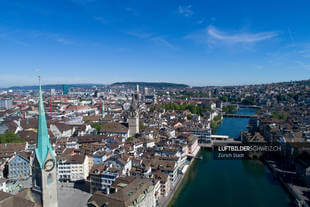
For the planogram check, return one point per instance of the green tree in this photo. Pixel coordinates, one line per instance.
(96, 126)
(248, 101)
(229, 109)
(130, 138)
(213, 125)
(142, 126)
(189, 116)
(217, 118)
(10, 137)
(279, 116)
(224, 98)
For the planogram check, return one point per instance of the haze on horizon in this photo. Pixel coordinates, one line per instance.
(198, 43)
(100, 84)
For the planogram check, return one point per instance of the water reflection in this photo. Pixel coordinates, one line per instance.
(253, 168)
(224, 183)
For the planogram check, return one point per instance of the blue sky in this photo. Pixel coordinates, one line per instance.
(197, 42)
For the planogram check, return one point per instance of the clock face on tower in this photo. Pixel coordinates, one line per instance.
(49, 165)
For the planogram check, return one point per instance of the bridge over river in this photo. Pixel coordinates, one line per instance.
(222, 183)
(240, 115)
(219, 139)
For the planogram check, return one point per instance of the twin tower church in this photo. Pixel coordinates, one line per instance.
(44, 180)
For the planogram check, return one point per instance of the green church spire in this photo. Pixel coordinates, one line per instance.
(43, 142)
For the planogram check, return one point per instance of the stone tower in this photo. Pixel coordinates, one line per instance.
(133, 118)
(44, 180)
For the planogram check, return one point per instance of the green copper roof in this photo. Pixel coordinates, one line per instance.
(43, 141)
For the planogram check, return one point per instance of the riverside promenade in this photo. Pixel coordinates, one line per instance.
(286, 178)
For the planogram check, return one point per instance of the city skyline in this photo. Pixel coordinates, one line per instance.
(198, 43)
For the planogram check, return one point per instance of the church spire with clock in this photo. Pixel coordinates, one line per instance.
(44, 180)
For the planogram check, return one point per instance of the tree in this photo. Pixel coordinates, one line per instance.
(142, 126)
(279, 116)
(217, 118)
(96, 126)
(213, 125)
(224, 98)
(229, 109)
(10, 137)
(130, 139)
(189, 117)
(248, 101)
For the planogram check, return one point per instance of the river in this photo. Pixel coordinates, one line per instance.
(225, 183)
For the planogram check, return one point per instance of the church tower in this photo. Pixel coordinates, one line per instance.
(133, 118)
(44, 180)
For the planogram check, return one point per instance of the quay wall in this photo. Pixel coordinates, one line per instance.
(300, 202)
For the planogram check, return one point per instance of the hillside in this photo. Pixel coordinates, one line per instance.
(150, 84)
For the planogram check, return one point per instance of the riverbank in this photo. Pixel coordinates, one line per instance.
(217, 120)
(183, 181)
(295, 191)
(225, 183)
(169, 201)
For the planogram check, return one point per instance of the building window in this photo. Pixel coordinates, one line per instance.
(49, 178)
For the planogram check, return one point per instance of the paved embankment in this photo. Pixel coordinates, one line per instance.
(296, 191)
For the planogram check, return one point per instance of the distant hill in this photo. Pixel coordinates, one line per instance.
(88, 85)
(151, 84)
(55, 86)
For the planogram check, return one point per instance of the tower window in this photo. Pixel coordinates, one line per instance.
(49, 178)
